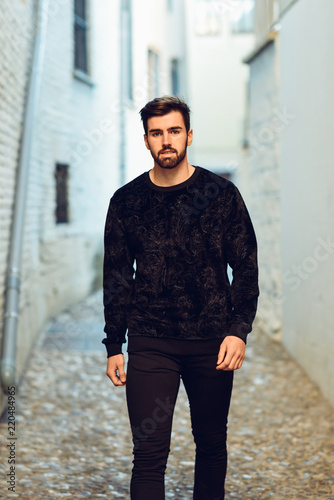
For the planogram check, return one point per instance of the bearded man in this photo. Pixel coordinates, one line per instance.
(170, 235)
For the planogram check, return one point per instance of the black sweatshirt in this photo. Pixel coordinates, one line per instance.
(165, 261)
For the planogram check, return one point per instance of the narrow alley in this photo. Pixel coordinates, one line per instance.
(257, 78)
(74, 436)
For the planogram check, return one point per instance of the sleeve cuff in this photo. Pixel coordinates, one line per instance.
(113, 349)
(240, 330)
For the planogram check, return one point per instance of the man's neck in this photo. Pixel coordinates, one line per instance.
(165, 177)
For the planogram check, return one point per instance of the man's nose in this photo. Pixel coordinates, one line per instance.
(166, 139)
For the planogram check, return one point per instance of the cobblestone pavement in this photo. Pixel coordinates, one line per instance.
(74, 436)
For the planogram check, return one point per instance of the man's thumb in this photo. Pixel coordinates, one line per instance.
(122, 375)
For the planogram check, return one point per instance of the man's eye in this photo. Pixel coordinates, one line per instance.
(175, 131)
(155, 134)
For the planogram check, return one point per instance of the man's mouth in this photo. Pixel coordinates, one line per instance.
(167, 151)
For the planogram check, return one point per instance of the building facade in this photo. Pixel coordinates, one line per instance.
(98, 64)
(292, 75)
(17, 27)
(265, 121)
(73, 164)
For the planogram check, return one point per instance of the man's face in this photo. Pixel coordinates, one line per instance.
(167, 139)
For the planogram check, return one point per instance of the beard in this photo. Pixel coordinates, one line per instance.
(172, 161)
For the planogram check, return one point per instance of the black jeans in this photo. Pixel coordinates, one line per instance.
(154, 369)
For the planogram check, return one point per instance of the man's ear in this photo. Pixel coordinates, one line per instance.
(146, 141)
(190, 137)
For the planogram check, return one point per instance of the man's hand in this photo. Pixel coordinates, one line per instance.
(116, 363)
(231, 353)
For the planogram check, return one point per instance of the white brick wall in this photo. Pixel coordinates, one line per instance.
(16, 28)
(264, 178)
(16, 24)
(73, 124)
(59, 266)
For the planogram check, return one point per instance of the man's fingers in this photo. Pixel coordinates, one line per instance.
(221, 354)
(234, 351)
(227, 362)
(113, 376)
(229, 365)
(235, 362)
(121, 373)
(115, 369)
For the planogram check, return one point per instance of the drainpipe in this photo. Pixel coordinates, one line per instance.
(13, 280)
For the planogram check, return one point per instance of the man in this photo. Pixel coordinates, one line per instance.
(181, 225)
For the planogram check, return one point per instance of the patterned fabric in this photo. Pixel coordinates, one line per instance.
(166, 256)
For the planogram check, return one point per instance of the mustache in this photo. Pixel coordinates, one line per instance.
(167, 149)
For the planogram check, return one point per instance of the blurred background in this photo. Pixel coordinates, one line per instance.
(258, 76)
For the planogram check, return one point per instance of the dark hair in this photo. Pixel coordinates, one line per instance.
(161, 106)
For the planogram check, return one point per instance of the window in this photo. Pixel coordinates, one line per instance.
(61, 175)
(242, 17)
(208, 17)
(175, 76)
(80, 36)
(153, 74)
(127, 49)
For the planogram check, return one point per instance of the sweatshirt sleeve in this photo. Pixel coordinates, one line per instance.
(241, 250)
(117, 281)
